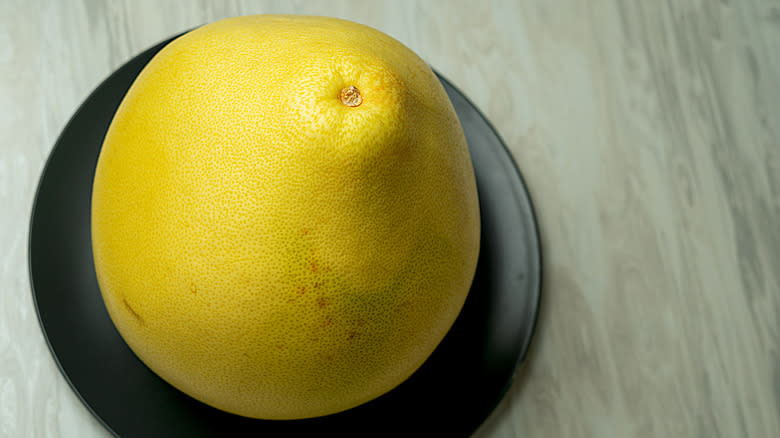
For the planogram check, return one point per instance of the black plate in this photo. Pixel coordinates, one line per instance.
(450, 395)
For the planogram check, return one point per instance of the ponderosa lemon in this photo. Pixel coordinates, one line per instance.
(284, 215)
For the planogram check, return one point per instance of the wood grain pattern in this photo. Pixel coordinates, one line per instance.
(648, 132)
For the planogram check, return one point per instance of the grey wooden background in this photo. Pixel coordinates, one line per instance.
(648, 132)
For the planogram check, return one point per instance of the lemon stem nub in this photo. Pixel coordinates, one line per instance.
(350, 96)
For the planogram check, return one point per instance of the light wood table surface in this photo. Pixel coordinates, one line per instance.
(648, 133)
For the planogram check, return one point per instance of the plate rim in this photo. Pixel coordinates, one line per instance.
(537, 302)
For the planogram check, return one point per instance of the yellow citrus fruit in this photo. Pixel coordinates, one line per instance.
(284, 215)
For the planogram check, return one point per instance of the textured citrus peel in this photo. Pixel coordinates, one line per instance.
(264, 246)
(350, 96)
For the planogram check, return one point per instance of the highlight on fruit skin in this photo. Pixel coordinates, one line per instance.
(285, 220)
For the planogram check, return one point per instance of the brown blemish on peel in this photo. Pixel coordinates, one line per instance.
(321, 302)
(132, 312)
